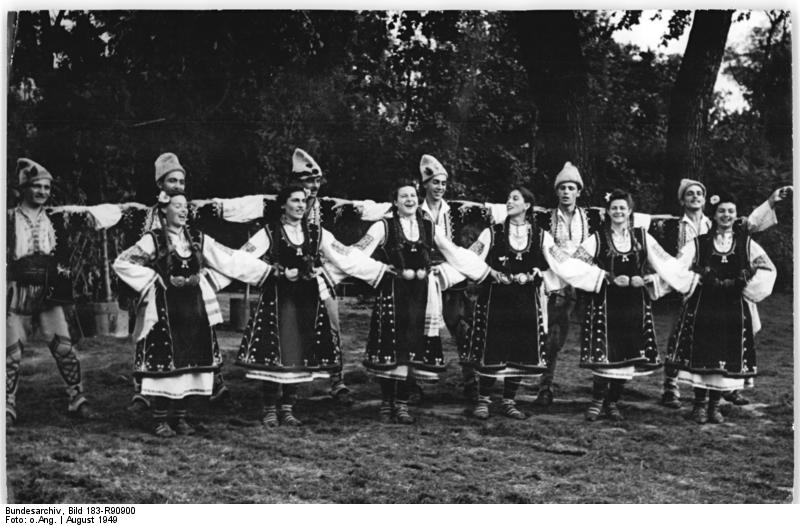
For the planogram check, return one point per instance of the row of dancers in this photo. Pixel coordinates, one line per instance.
(527, 264)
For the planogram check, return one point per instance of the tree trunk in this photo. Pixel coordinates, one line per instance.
(691, 99)
(550, 50)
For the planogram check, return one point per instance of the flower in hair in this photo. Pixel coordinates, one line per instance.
(608, 197)
(714, 199)
(163, 198)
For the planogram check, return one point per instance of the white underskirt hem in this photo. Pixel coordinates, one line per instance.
(402, 372)
(621, 373)
(284, 377)
(715, 381)
(509, 372)
(181, 386)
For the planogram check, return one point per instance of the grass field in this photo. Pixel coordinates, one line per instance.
(343, 454)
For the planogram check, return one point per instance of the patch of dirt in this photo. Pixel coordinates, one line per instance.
(343, 454)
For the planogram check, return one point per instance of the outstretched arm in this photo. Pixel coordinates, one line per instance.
(242, 209)
(349, 261)
(764, 216)
(131, 265)
(236, 264)
(573, 271)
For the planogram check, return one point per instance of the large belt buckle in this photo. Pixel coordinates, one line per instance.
(521, 278)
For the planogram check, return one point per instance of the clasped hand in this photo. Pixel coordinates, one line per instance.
(629, 281)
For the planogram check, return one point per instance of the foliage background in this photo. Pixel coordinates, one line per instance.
(96, 96)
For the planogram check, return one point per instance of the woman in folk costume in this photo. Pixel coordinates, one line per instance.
(289, 339)
(508, 335)
(618, 337)
(712, 345)
(674, 232)
(404, 336)
(176, 346)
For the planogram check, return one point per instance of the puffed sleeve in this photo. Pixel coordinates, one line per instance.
(236, 264)
(131, 265)
(372, 211)
(760, 284)
(641, 220)
(372, 239)
(670, 273)
(349, 261)
(573, 271)
(483, 244)
(449, 275)
(255, 247)
(367, 244)
(243, 209)
(762, 218)
(498, 212)
(462, 260)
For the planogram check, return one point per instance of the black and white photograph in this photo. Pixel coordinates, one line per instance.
(343, 256)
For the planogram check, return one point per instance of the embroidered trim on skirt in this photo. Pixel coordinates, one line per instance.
(618, 331)
(182, 340)
(181, 386)
(508, 333)
(290, 331)
(397, 331)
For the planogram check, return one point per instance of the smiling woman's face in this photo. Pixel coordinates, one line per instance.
(406, 201)
(619, 211)
(295, 205)
(177, 211)
(725, 215)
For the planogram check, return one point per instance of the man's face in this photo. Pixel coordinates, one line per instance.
(173, 183)
(37, 193)
(568, 194)
(435, 187)
(312, 183)
(694, 198)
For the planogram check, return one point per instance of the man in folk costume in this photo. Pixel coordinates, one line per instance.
(570, 225)
(693, 223)
(170, 178)
(320, 211)
(38, 285)
(457, 304)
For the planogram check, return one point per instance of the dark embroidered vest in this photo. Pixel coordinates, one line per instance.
(405, 254)
(510, 261)
(631, 263)
(40, 269)
(592, 220)
(172, 264)
(728, 265)
(282, 251)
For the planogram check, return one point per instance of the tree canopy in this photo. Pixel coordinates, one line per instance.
(497, 97)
